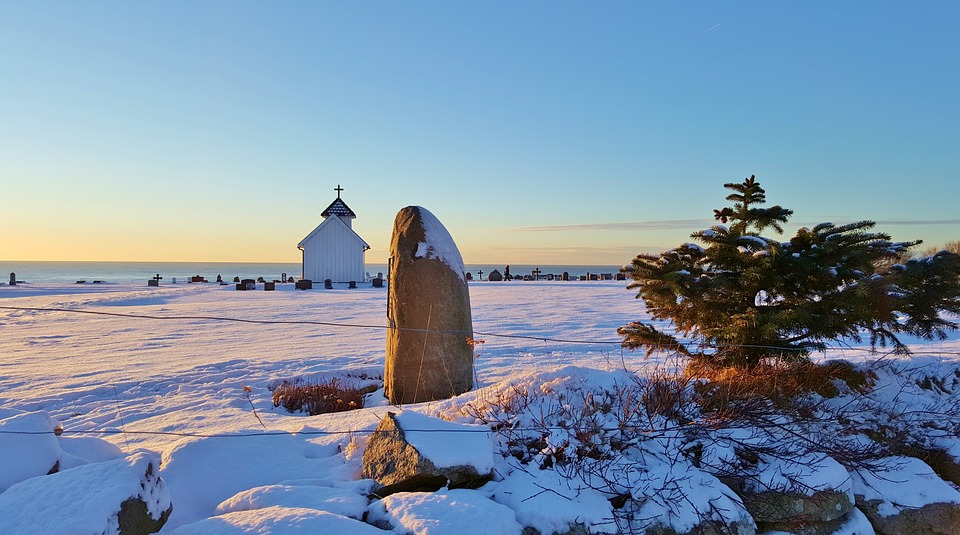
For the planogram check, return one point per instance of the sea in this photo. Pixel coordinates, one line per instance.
(140, 272)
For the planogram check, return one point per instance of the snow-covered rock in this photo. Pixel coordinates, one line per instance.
(907, 498)
(120, 497)
(338, 500)
(550, 503)
(28, 447)
(410, 452)
(447, 512)
(204, 473)
(277, 520)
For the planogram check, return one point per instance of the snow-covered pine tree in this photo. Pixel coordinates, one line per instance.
(743, 297)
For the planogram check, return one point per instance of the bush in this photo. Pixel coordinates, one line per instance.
(744, 297)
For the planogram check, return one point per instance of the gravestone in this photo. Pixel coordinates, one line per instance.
(247, 284)
(565, 276)
(469, 276)
(152, 282)
(304, 284)
(13, 279)
(352, 284)
(428, 311)
(219, 279)
(328, 284)
(494, 276)
(269, 286)
(236, 279)
(378, 282)
(283, 277)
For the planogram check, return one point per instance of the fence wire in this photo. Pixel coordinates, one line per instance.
(344, 325)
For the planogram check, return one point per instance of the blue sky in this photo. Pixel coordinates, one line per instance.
(538, 132)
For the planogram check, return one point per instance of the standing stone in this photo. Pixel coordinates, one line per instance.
(428, 310)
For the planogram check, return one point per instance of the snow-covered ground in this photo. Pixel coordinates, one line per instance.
(174, 386)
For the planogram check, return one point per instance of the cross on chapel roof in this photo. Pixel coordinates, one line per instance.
(338, 207)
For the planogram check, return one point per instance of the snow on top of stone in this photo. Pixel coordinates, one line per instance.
(905, 483)
(84, 499)
(448, 444)
(30, 454)
(439, 244)
(277, 520)
(460, 511)
(337, 500)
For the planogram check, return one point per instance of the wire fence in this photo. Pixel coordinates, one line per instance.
(531, 337)
(345, 325)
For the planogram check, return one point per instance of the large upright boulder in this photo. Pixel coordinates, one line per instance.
(429, 356)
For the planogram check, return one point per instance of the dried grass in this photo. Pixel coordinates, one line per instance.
(318, 397)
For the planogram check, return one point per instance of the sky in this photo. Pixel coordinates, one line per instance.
(537, 132)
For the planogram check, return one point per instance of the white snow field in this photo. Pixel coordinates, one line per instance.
(173, 387)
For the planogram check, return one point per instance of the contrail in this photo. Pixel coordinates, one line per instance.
(711, 28)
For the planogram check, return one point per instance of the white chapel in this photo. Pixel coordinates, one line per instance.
(333, 250)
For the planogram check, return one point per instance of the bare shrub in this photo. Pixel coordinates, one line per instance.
(647, 438)
(318, 397)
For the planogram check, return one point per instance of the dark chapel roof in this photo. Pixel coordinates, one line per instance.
(338, 208)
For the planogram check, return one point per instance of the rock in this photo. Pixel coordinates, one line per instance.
(277, 520)
(337, 500)
(405, 464)
(808, 489)
(428, 356)
(124, 496)
(446, 511)
(942, 463)
(932, 519)
(574, 529)
(907, 498)
(736, 528)
(805, 528)
(794, 507)
(38, 451)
